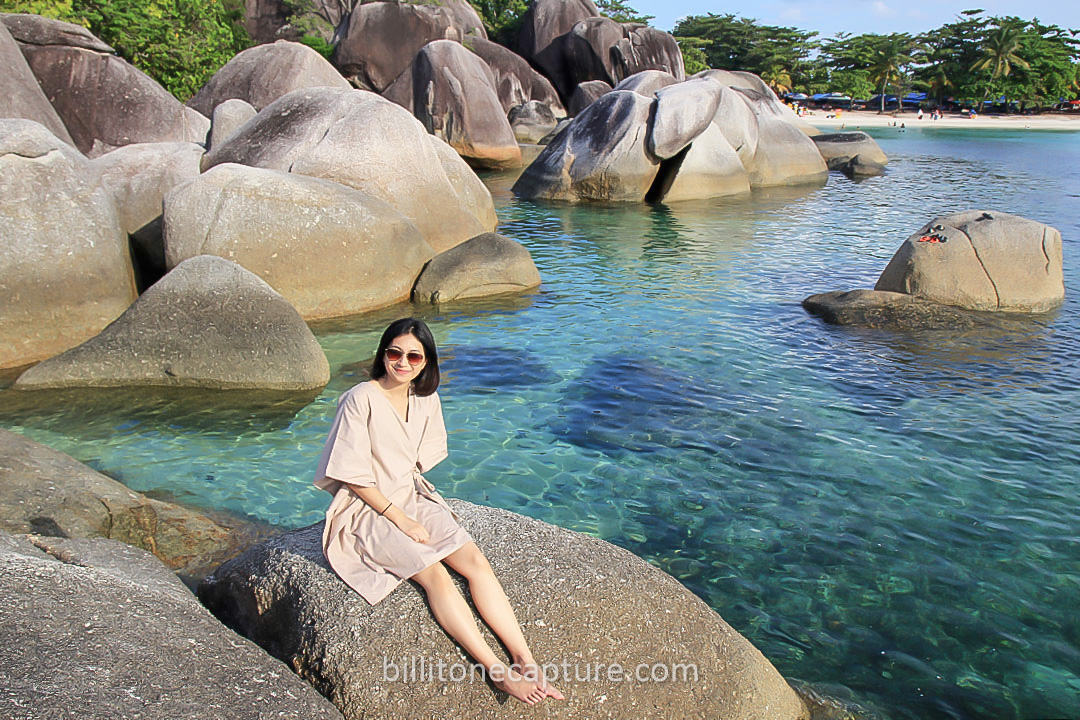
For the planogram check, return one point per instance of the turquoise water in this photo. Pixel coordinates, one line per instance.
(890, 516)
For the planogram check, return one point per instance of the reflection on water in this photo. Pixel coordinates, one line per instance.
(891, 517)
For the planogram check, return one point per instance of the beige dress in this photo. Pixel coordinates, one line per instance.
(371, 444)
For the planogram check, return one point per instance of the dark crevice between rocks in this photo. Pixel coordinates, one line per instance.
(665, 176)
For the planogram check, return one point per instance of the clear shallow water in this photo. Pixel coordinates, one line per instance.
(893, 515)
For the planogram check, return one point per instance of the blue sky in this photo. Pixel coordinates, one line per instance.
(828, 17)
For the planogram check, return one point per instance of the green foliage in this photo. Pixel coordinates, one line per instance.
(732, 43)
(694, 60)
(318, 44)
(179, 43)
(502, 18)
(619, 11)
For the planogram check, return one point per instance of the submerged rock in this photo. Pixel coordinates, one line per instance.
(262, 74)
(209, 323)
(488, 264)
(891, 310)
(65, 269)
(49, 493)
(575, 601)
(853, 153)
(328, 249)
(365, 141)
(96, 629)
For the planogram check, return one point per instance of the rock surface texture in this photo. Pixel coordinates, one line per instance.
(454, 97)
(488, 264)
(515, 80)
(37, 30)
(262, 74)
(23, 97)
(65, 270)
(852, 153)
(99, 630)
(365, 141)
(977, 260)
(209, 323)
(46, 492)
(575, 602)
(107, 103)
(229, 116)
(379, 39)
(328, 249)
(981, 260)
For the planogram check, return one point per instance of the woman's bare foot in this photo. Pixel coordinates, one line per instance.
(531, 669)
(528, 690)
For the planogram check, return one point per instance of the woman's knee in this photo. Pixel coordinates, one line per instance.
(434, 578)
(470, 562)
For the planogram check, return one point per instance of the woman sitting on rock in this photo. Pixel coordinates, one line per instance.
(387, 523)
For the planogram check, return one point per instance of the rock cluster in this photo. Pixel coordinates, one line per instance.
(974, 260)
(654, 139)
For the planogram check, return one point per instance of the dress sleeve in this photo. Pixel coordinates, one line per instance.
(347, 455)
(433, 443)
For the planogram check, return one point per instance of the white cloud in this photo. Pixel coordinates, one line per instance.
(881, 9)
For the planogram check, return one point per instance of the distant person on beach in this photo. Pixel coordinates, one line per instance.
(387, 523)
(920, 113)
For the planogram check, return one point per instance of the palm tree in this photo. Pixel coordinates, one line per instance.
(999, 51)
(887, 59)
(776, 77)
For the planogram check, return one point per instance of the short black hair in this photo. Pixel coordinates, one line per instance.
(427, 381)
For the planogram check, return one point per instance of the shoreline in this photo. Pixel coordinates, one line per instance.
(859, 119)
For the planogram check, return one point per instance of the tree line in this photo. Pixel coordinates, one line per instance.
(969, 60)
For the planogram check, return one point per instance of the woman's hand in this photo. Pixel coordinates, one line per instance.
(416, 531)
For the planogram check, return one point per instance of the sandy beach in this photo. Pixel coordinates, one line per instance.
(858, 119)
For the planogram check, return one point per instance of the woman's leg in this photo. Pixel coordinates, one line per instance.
(456, 618)
(490, 599)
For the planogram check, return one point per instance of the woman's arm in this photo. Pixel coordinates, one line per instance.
(374, 497)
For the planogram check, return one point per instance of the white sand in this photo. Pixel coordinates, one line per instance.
(856, 119)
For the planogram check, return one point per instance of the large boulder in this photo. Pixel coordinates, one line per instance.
(364, 141)
(454, 97)
(37, 30)
(140, 175)
(22, 95)
(49, 493)
(531, 121)
(683, 111)
(379, 39)
(764, 99)
(838, 149)
(582, 601)
(600, 156)
(707, 168)
(488, 264)
(209, 323)
(785, 155)
(980, 260)
(738, 124)
(646, 48)
(228, 117)
(515, 80)
(647, 82)
(262, 74)
(328, 249)
(585, 95)
(542, 28)
(65, 270)
(586, 51)
(97, 630)
(106, 103)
